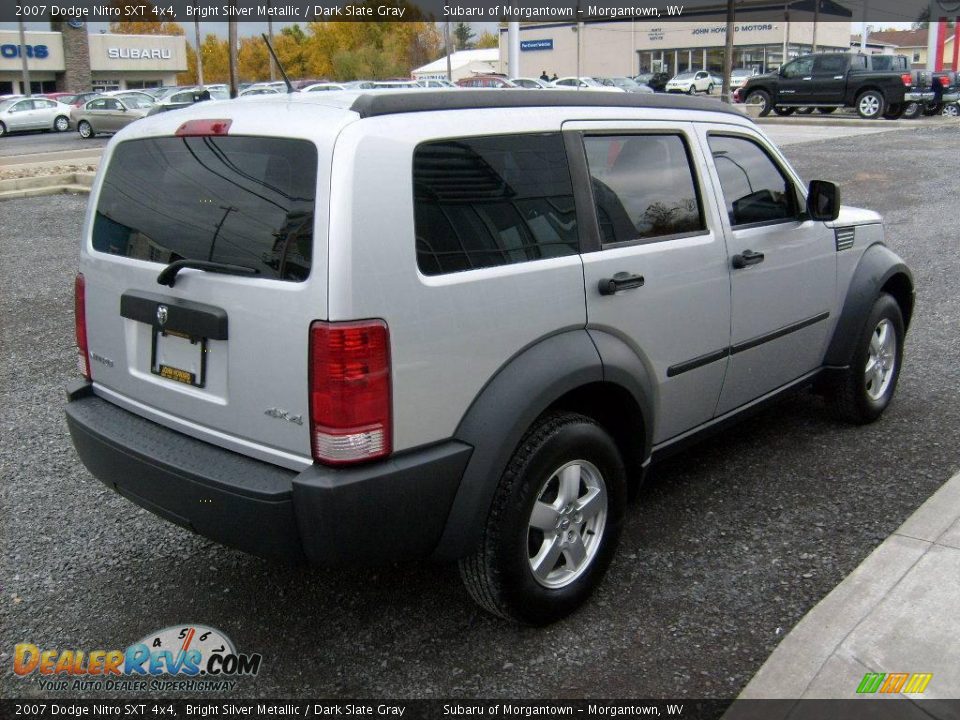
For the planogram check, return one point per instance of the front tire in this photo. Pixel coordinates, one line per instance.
(784, 111)
(553, 525)
(932, 110)
(866, 388)
(85, 130)
(692, 90)
(762, 99)
(951, 110)
(826, 111)
(61, 124)
(911, 110)
(3, 129)
(871, 105)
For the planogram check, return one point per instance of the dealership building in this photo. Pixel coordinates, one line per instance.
(68, 59)
(617, 48)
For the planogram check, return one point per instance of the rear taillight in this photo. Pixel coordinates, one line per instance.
(907, 79)
(349, 366)
(945, 81)
(80, 325)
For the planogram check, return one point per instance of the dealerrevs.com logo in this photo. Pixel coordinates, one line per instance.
(185, 657)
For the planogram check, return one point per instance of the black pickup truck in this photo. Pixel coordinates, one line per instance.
(827, 81)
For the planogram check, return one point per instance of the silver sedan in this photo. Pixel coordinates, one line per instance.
(108, 114)
(18, 114)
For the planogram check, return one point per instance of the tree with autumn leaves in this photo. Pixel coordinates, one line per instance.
(329, 50)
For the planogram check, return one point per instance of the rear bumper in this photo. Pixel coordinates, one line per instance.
(919, 96)
(383, 512)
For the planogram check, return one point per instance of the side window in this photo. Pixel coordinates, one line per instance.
(112, 104)
(755, 190)
(486, 201)
(97, 105)
(643, 187)
(834, 64)
(22, 106)
(801, 67)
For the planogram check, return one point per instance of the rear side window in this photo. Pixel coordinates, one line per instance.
(643, 187)
(239, 200)
(755, 190)
(834, 64)
(486, 201)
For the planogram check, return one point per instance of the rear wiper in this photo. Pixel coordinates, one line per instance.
(168, 276)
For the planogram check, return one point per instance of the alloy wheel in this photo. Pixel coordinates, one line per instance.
(881, 360)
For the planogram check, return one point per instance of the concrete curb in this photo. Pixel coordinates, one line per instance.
(79, 182)
(861, 626)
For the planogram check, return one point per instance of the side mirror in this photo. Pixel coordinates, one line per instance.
(823, 200)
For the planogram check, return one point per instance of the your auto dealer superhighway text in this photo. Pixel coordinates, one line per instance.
(205, 709)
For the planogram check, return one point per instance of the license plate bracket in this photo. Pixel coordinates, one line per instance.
(179, 357)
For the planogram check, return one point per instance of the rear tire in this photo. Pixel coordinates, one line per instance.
(871, 105)
(61, 124)
(805, 111)
(825, 111)
(932, 110)
(3, 129)
(85, 130)
(553, 525)
(865, 389)
(784, 111)
(951, 110)
(911, 110)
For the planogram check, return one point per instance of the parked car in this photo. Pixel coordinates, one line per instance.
(655, 81)
(530, 83)
(830, 81)
(691, 82)
(63, 97)
(321, 87)
(108, 115)
(583, 83)
(33, 113)
(626, 84)
(485, 81)
(739, 77)
(81, 99)
(188, 96)
(435, 83)
(258, 91)
(139, 95)
(376, 413)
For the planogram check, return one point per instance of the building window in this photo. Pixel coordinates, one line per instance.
(916, 56)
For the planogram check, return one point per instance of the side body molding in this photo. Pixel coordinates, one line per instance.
(877, 266)
(503, 411)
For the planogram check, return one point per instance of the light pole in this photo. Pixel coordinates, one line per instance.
(23, 61)
(196, 35)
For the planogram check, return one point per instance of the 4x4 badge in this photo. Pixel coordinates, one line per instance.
(162, 314)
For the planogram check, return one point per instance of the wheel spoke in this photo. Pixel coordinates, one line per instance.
(591, 504)
(874, 343)
(546, 558)
(883, 337)
(544, 517)
(575, 552)
(569, 485)
(871, 367)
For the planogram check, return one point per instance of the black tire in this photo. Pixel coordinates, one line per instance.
(761, 98)
(692, 90)
(931, 110)
(499, 575)
(784, 111)
(805, 111)
(3, 129)
(871, 104)
(62, 123)
(951, 110)
(894, 111)
(852, 399)
(911, 110)
(710, 89)
(85, 130)
(825, 111)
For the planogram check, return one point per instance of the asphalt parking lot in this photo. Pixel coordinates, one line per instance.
(726, 547)
(14, 147)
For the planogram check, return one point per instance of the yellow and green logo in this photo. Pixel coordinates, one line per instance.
(894, 683)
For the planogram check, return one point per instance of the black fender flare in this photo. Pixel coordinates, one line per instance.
(876, 267)
(526, 386)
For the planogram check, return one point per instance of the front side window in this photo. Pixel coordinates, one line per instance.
(830, 64)
(487, 201)
(238, 200)
(755, 190)
(643, 187)
(801, 67)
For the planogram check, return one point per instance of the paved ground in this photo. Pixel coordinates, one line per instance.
(727, 547)
(14, 148)
(898, 612)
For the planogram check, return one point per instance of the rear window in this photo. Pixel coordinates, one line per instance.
(239, 200)
(488, 201)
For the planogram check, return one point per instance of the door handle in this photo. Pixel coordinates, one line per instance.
(746, 259)
(620, 281)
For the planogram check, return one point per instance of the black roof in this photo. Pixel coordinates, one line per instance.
(374, 104)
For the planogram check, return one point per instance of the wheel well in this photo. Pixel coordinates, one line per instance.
(901, 288)
(613, 407)
(862, 90)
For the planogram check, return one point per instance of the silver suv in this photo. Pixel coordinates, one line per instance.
(367, 327)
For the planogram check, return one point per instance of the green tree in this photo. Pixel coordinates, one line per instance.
(487, 40)
(463, 35)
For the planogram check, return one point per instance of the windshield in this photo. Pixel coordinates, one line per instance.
(591, 82)
(685, 76)
(622, 82)
(741, 73)
(236, 200)
(6, 104)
